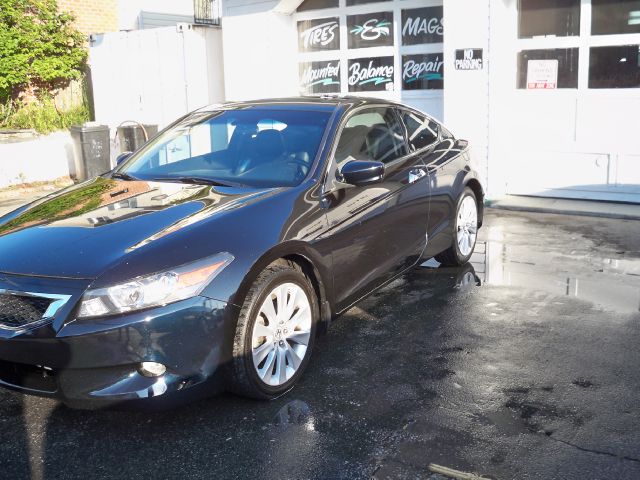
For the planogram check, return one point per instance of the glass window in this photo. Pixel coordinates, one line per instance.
(422, 25)
(423, 72)
(361, 2)
(317, 5)
(615, 16)
(421, 131)
(559, 18)
(319, 34)
(374, 134)
(614, 67)
(258, 147)
(370, 29)
(370, 74)
(567, 65)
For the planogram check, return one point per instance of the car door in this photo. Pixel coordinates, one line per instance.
(378, 230)
(437, 150)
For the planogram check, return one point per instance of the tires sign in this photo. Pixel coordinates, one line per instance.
(318, 35)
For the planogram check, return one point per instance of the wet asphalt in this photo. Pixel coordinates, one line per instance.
(523, 364)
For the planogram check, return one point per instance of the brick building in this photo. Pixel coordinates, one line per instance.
(92, 16)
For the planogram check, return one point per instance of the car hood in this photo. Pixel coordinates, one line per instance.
(82, 231)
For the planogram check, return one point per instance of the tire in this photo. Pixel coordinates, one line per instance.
(282, 341)
(465, 228)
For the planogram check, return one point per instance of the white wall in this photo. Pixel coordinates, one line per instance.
(260, 51)
(466, 102)
(42, 159)
(157, 75)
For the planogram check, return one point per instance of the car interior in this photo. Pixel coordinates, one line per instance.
(261, 152)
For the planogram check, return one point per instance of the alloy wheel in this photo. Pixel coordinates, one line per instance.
(281, 334)
(467, 225)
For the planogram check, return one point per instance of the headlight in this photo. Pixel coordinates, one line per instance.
(154, 290)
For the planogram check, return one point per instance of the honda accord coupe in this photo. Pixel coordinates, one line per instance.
(212, 257)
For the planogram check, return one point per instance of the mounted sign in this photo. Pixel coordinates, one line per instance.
(423, 72)
(542, 74)
(320, 77)
(469, 59)
(320, 34)
(370, 30)
(370, 74)
(422, 25)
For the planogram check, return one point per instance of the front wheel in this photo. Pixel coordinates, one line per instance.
(275, 332)
(465, 231)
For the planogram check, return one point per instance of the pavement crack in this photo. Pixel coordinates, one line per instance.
(597, 452)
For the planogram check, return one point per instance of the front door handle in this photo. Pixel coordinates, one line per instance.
(416, 174)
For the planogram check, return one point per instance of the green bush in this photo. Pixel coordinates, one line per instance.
(42, 116)
(40, 50)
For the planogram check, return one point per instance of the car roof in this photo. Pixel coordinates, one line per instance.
(311, 102)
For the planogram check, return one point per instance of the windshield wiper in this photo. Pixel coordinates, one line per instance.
(123, 176)
(196, 180)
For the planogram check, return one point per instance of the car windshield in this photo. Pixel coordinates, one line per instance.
(255, 147)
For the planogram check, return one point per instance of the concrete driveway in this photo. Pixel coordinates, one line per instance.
(523, 364)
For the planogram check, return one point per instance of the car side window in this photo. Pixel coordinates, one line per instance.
(421, 131)
(372, 134)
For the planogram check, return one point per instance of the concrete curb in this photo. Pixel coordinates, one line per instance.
(587, 208)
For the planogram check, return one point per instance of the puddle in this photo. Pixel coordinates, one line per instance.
(541, 264)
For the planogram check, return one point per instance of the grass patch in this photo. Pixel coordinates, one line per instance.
(70, 204)
(41, 116)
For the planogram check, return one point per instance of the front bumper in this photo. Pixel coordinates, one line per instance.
(94, 362)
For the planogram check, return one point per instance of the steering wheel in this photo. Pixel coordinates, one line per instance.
(301, 159)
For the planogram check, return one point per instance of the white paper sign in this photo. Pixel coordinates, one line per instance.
(542, 74)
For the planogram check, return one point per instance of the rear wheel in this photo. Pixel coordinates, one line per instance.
(465, 231)
(275, 332)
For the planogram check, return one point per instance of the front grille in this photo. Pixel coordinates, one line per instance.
(20, 310)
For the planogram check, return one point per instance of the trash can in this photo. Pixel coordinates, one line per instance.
(91, 150)
(132, 137)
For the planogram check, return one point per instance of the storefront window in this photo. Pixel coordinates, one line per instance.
(614, 67)
(317, 4)
(361, 2)
(567, 67)
(615, 16)
(318, 35)
(370, 30)
(370, 74)
(560, 18)
(422, 25)
(319, 77)
(423, 72)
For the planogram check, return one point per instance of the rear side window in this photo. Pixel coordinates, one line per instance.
(373, 134)
(421, 131)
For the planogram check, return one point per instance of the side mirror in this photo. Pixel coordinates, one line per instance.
(362, 172)
(122, 157)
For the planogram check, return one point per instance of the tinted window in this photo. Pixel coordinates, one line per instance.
(317, 4)
(567, 65)
(548, 17)
(361, 2)
(421, 131)
(615, 16)
(255, 147)
(614, 67)
(374, 134)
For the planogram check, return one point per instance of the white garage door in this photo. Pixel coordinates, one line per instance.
(574, 128)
